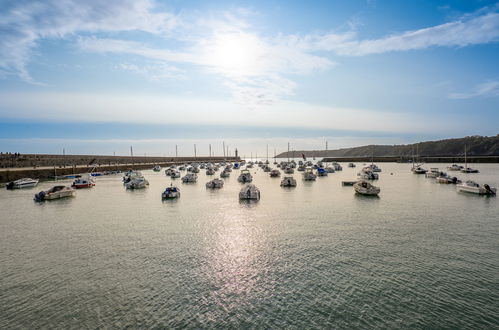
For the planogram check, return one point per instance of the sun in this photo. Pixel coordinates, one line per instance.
(236, 53)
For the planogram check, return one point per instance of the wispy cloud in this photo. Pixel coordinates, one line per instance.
(486, 89)
(23, 25)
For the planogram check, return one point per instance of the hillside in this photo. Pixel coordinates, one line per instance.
(476, 146)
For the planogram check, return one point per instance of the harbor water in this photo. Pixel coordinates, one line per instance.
(420, 256)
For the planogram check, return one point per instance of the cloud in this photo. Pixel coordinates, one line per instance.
(24, 24)
(470, 30)
(486, 89)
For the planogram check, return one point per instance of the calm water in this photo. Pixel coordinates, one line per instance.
(315, 256)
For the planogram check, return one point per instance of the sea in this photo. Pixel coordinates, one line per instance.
(317, 256)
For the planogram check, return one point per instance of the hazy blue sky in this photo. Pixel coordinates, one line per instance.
(98, 76)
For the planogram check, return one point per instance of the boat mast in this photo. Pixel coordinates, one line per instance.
(176, 151)
(325, 155)
(210, 152)
(288, 152)
(131, 154)
(267, 153)
(372, 155)
(465, 159)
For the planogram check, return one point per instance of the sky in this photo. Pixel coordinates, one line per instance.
(96, 77)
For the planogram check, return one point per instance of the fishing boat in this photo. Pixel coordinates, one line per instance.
(83, 182)
(245, 177)
(275, 173)
(288, 181)
(214, 184)
(249, 192)
(22, 183)
(309, 175)
(365, 188)
(137, 182)
(475, 188)
(156, 168)
(189, 178)
(55, 192)
(170, 193)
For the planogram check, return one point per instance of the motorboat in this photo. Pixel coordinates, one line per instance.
(454, 167)
(210, 171)
(309, 175)
(367, 174)
(235, 166)
(189, 177)
(249, 192)
(83, 182)
(475, 188)
(418, 170)
(215, 183)
(169, 172)
(266, 168)
(170, 193)
(156, 168)
(337, 167)
(22, 183)
(330, 169)
(447, 179)
(228, 168)
(137, 182)
(375, 168)
(245, 177)
(275, 173)
(55, 192)
(175, 174)
(225, 174)
(301, 168)
(289, 170)
(288, 181)
(469, 170)
(433, 173)
(363, 187)
(351, 165)
(321, 172)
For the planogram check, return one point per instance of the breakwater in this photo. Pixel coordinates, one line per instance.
(43, 167)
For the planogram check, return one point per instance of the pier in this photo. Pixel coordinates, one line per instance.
(44, 167)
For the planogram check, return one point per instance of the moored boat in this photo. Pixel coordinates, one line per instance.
(363, 187)
(55, 192)
(215, 183)
(249, 192)
(83, 182)
(245, 177)
(170, 193)
(22, 183)
(288, 181)
(475, 188)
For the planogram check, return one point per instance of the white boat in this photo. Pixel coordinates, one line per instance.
(367, 174)
(169, 172)
(454, 167)
(289, 170)
(156, 168)
(129, 175)
(467, 169)
(418, 170)
(137, 182)
(249, 192)
(433, 173)
(170, 193)
(288, 181)
(309, 175)
(337, 167)
(55, 192)
(83, 182)
(475, 188)
(210, 171)
(214, 184)
(266, 168)
(447, 179)
(365, 188)
(245, 177)
(175, 174)
(189, 177)
(225, 174)
(22, 183)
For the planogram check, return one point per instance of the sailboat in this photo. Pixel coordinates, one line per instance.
(467, 169)
(416, 168)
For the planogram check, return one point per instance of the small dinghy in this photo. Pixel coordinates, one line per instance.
(288, 181)
(365, 188)
(215, 184)
(170, 193)
(249, 192)
(55, 192)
